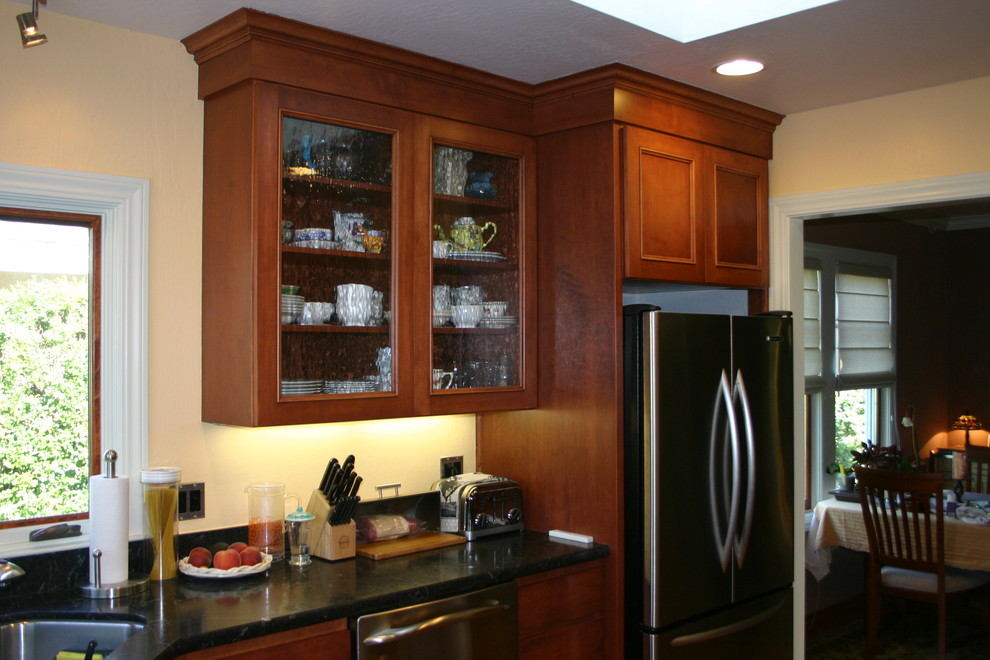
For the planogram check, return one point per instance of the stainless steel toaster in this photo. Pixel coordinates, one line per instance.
(478, 504)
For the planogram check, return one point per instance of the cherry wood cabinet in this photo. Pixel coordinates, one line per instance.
(320, 215)
(693, 212)
(561, 613)
(328, 641)
(568, 453)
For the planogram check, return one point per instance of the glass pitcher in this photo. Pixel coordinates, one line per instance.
(266, 517)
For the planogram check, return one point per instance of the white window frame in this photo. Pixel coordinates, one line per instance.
(122, 204)
(822, 390)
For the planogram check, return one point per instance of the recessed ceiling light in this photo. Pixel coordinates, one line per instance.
(739, 68)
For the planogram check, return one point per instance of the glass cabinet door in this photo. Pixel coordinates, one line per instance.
(337, 260)
(476, 258)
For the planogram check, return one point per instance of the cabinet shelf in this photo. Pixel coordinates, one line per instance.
(453, 204)
(336, 254)
(342, 329)
(476, 331)
(329, 182)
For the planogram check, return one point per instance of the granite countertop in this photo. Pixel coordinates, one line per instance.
(188, 614)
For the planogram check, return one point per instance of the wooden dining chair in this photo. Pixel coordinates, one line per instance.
(905, 527)
(977, 469)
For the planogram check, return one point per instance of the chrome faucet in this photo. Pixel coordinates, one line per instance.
(9, 571)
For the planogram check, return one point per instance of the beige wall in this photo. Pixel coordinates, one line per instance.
(102, 99)
(935, 132)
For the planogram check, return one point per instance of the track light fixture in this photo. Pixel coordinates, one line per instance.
(28, 24)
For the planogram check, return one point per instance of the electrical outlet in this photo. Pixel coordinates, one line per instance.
(192, 501)
(450, 466)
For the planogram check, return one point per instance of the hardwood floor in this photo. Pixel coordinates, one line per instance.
(908, 633)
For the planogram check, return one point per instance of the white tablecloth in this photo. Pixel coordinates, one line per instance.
(835, 523)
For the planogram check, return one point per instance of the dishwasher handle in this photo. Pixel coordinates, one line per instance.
(391, 635)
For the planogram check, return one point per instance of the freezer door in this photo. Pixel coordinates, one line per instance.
(762, 381)
(761, 628)
(684, 358)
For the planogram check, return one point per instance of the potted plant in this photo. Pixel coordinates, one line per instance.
(845, 478)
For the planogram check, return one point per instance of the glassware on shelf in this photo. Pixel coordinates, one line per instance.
(336, 240)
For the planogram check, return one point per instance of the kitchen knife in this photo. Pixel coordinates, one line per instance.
(335, 478)
(325, 481)
(354, 489)
(345, 488)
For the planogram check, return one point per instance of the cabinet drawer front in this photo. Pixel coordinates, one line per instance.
(560, 599)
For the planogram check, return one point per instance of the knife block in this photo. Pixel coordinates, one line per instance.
(331, 542)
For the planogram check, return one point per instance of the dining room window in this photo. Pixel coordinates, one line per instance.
(849, 357)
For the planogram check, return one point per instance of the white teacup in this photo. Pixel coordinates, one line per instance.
(441, 249)
(466, 316)
(494, 309)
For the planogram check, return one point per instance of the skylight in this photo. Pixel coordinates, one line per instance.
(697, 19)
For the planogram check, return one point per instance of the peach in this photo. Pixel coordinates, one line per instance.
(200, 557)
(237, 546)
(250, 556)
(226, 559)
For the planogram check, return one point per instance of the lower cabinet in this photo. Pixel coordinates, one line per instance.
(327, 641)
(561, 613)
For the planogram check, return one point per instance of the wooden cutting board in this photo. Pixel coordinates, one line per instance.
(407, 545)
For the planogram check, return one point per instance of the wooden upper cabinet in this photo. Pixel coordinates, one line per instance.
(664, 207)
(738, 235)
(692, 212)
(320, 214)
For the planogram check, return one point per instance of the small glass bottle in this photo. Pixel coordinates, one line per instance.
(161, 501)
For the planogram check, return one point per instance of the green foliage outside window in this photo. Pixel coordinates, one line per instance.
(44, 398)
(850, 424)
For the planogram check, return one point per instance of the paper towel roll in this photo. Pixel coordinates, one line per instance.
(108, 517)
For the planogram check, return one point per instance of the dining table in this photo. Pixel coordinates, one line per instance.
(836, 523)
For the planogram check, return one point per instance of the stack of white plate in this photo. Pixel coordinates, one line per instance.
(349, 386)
(292, 308)
(298, 387)
(500, 322)
(477, 255)
(441, 317)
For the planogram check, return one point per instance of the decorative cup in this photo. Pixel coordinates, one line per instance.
(465, 316)
(494, 309)
(441, 249)
(467, 295)
(441, 297)
(442, 380)
(354, 303)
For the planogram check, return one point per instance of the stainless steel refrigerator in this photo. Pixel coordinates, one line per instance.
(709, 484)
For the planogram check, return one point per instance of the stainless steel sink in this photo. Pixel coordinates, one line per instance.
(45, 637)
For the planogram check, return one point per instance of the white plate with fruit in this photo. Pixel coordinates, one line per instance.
(237, 560)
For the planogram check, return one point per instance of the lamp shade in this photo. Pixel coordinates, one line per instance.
(967, 422)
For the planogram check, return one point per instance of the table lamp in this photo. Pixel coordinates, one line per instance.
(967, 422)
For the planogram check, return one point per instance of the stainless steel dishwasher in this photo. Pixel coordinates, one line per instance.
(481, 625)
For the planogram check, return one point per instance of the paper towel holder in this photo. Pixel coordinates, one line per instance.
(135, 584)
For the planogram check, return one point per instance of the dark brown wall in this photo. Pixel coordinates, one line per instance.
(943, 352)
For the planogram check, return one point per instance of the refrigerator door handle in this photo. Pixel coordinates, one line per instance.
(739, 392)
(724, 631)
(724, 542)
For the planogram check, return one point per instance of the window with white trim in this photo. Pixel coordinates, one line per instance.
(849, 356)
(121, 204)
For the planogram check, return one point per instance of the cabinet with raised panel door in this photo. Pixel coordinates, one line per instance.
(693, 212)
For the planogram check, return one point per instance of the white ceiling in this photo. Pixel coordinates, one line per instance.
(838, 53)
